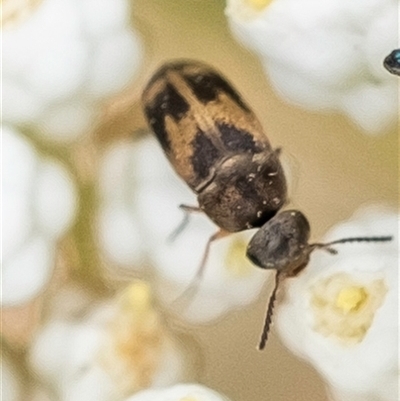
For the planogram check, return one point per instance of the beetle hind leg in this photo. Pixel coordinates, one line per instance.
(193, 287)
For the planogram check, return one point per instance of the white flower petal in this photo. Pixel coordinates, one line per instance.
(120, 237)
(50, 352)
(19, 160)
(110, 15)
(21, 103)
(90, 384)
(170, 368)
(150, 162)
(17, 222)
(116, 168)
(19, 166)
(158, 208)
(25, 274)
(67, 121)
(378, 108)
(39, 204)
(180, 392)
(119, 229)
(56, 199)
(114, 63)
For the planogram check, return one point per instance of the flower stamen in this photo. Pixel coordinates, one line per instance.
(258, 5)
(351, 299)
(236, 262)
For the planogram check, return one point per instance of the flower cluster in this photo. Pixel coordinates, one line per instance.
(39, 203)
(108, 351)
(325, 55)
(63, 60)
(105, 230)
(179, 392)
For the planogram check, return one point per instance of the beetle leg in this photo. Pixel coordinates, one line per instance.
(193, 287)
(187, 210)
(200, 271)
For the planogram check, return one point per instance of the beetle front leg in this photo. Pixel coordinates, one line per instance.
(187, 210)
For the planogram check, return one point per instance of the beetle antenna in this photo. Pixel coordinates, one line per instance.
(328, 248)
(268, 317)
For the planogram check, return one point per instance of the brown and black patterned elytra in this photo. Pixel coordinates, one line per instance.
(217, 145)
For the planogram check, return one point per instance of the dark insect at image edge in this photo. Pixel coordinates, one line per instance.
(217, 145)
(392, 62)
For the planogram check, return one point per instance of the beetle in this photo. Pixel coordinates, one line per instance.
(392, 62)
(218, 147)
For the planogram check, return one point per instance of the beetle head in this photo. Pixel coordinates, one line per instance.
(282, 243)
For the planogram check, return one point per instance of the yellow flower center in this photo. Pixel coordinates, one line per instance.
(135, 339)
(137, 297)
(351, 299)
(344, 308)
(258, 5)
(235, 261)
(246, 10)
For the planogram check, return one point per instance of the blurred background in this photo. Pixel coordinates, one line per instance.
(334, 169)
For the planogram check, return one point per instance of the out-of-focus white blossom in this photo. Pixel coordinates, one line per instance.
(141, 195)
(341, 312)
(109, 352)
(179, 392)
(39, 203)
(62, 60)
(10, 381)
(325, 55)
(119, 231)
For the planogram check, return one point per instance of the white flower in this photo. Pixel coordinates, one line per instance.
(325, 55)
(341, 312)
(39, 203)
(119, 233)
(64, 58)
(179, 392)
(146, 193)
(110, 352)
(10, 381)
